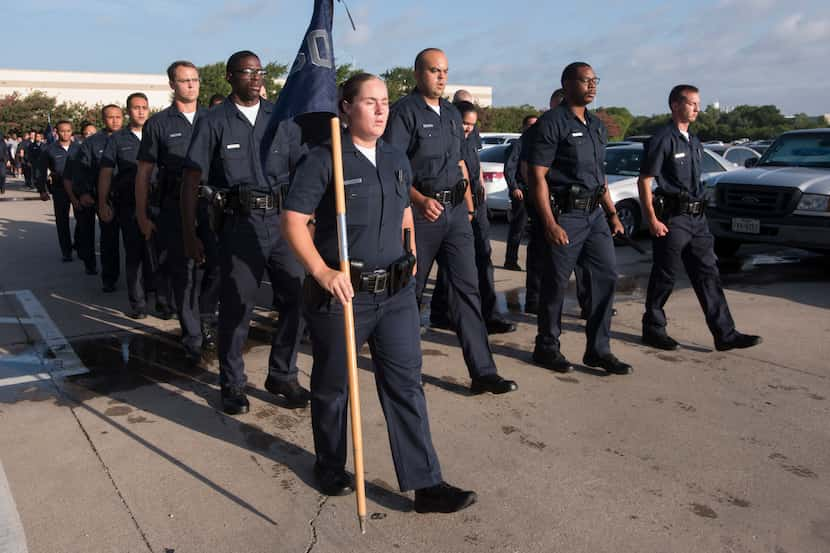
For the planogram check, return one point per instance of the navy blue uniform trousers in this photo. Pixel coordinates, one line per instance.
(85, 241)
(61, 203)
(249, 246)
(536, 255)
(391, 326)
(134, 255)
(484, 268)
(449, 241)
(187, 280)
(592, 247)
(688, 244)
(110, 250)
(518, 222)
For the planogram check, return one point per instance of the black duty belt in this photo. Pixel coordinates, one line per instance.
(451, 196)
(389, 280)
(249, 201)
(567, 201)
(374, 282)
(666, 206)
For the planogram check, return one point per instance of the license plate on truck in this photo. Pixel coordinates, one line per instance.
(748, 226)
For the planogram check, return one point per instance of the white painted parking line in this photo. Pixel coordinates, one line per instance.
(54, 358)
(12, 537)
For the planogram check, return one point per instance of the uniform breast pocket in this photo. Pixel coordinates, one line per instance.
(357, 202)
(429, 142)
(177, 146)
(236, 163)
(681, 164)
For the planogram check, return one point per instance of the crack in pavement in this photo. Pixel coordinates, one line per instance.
(105, 467)
(313, 522)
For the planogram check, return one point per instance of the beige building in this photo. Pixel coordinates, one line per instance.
(113, 88)
(483, 95)
(89, 88)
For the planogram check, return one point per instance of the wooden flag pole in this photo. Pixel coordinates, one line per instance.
(348, 319)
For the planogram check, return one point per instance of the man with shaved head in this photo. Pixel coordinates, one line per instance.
(429, 129)
(462, 95)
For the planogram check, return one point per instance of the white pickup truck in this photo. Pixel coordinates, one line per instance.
(782, 198)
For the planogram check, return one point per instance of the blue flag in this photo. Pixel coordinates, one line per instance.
(48, 135)
(311, 86)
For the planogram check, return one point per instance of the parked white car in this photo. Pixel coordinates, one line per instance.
(622, 167)
(492, 168)
(489, 139)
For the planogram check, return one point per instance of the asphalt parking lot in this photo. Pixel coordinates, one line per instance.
(110, 442)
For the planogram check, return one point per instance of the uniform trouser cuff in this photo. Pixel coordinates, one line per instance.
(422, 482)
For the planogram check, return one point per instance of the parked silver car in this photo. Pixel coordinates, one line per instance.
(622, 167)
(783, 198)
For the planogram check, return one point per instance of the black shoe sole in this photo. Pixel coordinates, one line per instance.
(505, 330)
(561, 367)
(478, 389)
(727, 347)
(290, 402)
(656, 345)
(469, 500)
(235, 410)
(598, 365)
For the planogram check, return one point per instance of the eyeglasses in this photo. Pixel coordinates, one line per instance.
(585, 80)
(188, 81)
(250, 73)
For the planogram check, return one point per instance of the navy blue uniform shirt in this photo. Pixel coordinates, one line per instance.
(375, 201)
(433, 143)
(674, 161)
(165, 139)
(574, 151)
(120, 154)
(283, 155)
(226, 148)
(472, 144)
(512, 165)
(55, 158)
(85, 178)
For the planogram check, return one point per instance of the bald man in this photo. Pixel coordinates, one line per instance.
(429, 129)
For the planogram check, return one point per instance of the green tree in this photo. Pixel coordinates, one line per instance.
(273, 73)
(504, 119)
(399, 81)
(621, 121)
(346, 71)
(22, 113)
(214, 80)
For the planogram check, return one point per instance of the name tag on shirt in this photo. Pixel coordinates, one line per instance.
(358, 180)
(576, 134)
(232, 147)
(428, 125)
(679, 155)
(175, 135)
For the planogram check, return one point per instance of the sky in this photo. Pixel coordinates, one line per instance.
(736, 51)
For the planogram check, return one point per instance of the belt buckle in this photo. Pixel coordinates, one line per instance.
(444, 196)
(380, 279)
(581, 204)
(263, 202)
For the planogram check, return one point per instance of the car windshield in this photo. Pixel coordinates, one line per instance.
(493, 155)
(623, 161)
(492, 140)
(799, 150)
